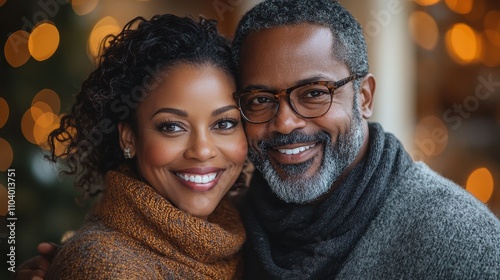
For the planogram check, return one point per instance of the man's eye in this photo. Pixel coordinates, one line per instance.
(314, 93)
(260, 100)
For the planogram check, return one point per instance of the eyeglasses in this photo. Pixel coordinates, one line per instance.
(308, 100)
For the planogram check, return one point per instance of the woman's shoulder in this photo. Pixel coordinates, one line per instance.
(96, 251)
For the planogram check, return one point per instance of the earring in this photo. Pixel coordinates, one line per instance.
(126, 153)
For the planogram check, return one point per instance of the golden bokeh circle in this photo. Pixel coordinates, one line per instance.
(463, 43)
(106, 26)
(4, 112)
(16, 50)
(431, 136)
(7, 155)
(480, 183)
(43, 41)
(424, 29)
(83, 7)
(49, 97)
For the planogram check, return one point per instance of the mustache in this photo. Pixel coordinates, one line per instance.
(278, 139)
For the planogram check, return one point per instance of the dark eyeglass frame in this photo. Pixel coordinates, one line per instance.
(331, 85)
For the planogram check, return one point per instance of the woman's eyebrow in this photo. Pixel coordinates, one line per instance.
(223, 110)
(178, 112)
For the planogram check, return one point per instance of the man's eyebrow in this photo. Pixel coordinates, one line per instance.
(178, 112)
(223, 110)
(299, 82)
(313, 79)
(256, 87)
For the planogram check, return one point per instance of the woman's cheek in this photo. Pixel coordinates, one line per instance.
(240, 148)
(159, 152)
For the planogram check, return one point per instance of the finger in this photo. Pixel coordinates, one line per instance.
(48, 250)
(41, 263)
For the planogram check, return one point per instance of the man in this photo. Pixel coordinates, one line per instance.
(335, 196)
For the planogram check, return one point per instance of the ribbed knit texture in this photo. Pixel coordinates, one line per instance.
(389, 219)
(134, 233)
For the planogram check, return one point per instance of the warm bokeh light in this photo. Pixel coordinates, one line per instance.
(7, 155)
(463, 43)
(4, 112)
(424, 30)
(40, 108)
(493, 36)
(490, 54)
(104, 27)
(43, 41)
(480, 184)
(492, 20)
(426, 2)
(2, 2)
(28, 123)
(16, 48)
(460, 6)
(4, 200)
(43, 126)
(49, 97)
(431, 138)
(41, 118)
(83, 7)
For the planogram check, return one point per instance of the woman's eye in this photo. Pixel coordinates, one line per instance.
(225, 124)
(170, 127)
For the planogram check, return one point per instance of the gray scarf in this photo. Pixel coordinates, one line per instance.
(293, 241)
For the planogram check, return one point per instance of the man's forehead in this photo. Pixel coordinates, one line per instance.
(287, 54)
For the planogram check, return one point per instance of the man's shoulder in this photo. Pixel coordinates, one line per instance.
(423, 192)
(429, 227)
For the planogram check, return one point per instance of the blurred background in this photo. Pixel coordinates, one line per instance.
(437, 64)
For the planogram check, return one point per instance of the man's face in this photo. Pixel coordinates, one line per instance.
(300, 158)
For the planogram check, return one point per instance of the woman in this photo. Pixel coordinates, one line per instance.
(156, 124)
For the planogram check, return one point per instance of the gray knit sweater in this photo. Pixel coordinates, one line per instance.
(428, 228)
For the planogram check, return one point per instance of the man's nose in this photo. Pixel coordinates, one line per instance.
(286, 120)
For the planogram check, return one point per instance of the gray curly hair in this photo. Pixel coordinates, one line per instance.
(349, 42)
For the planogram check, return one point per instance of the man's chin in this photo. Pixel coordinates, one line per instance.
(292, 171)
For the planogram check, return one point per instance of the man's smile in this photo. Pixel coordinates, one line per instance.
(294, 151)
(294, 154)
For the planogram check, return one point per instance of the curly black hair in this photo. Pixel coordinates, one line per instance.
(127, 69)
(349, 42)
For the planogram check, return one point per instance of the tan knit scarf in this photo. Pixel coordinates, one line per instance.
(158, 239)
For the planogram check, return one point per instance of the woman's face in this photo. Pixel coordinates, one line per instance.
(189, 144)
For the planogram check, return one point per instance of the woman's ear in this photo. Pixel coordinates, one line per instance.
(127, 139)
(367, 91)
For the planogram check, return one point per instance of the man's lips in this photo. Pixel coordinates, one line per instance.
(296, 150)
(293, 154)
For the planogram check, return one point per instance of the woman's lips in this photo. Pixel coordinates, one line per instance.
(196, 178)
(199, 179)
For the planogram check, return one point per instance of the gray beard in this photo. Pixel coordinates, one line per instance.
(296, 189)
